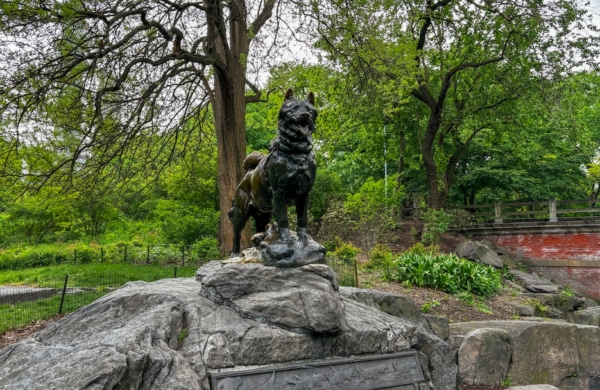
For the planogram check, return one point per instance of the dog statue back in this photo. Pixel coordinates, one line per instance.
(284, 176)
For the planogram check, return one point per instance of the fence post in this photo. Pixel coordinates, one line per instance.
(552, 209)
(62, 297)
(102, 254)
(498, 212)
(75, 256)
(175, 272)
(355, 274)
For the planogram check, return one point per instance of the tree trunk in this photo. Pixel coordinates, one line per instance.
(427, 151)
(229, 109)
(229, 112)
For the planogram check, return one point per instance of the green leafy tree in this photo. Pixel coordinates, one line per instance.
(457, 67)
(540, 155)
(142, 70)
(373, 209)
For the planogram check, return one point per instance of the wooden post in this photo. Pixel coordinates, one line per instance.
(355, 274)
(498, 212)
(62, 296)
(552, 208)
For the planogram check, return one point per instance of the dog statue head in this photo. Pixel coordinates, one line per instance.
(297, 117)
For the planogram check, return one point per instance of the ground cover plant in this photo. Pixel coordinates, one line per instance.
(424, 267)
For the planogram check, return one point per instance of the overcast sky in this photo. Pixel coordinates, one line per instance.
(595, 6)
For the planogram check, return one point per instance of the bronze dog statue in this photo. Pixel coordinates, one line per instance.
(285, 175)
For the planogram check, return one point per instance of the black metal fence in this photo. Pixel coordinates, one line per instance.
(23, 304)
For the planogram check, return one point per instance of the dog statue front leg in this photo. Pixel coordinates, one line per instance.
(280, 212)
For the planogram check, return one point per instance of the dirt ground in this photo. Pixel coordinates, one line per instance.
(12, 336)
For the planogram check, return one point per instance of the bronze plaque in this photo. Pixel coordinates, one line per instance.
(391, 371)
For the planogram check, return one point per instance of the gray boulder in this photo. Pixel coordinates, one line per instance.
(484, 357)
(306, 297)
(555, 353)
(480, 251)
(169, 335)
(589, 316)
(535, 283)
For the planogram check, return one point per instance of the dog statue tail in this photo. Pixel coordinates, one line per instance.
(252, 160)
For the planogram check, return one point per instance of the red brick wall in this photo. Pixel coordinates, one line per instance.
(566, 246)
(579, 252)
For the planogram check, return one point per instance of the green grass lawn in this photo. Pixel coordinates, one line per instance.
(97, 279)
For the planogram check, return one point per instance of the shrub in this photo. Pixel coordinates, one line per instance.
(373, 207)
(445, 272)
(346, 253)
(379, 257)
(436, 223)
(206, 249)
(30, 257)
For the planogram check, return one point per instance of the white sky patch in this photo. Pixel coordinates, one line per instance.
(595, 8)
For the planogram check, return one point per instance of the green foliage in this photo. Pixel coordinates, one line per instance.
(181, 337)
(506, 382)
(380, 256)
(37, 256)
(372, 209)
(207, 248)
(23, 257)
(185, 223)
(346, 253)
(336, 223)
(444, 272)
(436, 223)
(566, 293)
(325, 192)
(477, 302)
(427, 306)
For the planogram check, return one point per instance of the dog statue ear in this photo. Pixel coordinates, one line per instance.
(289, 94)
(311, 98)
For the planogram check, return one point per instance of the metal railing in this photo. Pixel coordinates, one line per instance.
(550, 210)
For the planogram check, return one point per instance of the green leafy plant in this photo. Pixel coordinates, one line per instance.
(436, 223)
(427, 306)
(566, 293)
(181, 337)
(507, 381)
(346, 252)
(446, 272)
(379, 257)
(466, 297)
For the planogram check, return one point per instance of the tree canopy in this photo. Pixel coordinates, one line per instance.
(138, 110)
(461, 66)
(103, 80)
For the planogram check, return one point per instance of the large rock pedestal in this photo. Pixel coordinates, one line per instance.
(306, 298)
(172, 333)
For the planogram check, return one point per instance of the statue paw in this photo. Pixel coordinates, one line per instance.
(285, 235)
